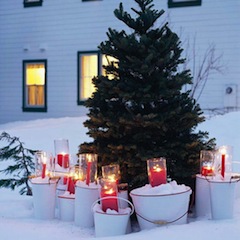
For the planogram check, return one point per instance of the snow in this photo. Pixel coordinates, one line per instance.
(16, 212)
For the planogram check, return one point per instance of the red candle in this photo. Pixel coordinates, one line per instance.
(157, 176)
(89, 164)
(207, 171)
(110, 203)
(71, 185)
(44, 165)
(63, 160)
(223, 165)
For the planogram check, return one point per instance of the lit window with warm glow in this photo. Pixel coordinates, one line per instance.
(90, 66)
(34, 92)
(89, 69)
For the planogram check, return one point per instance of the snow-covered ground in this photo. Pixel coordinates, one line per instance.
(16, 212)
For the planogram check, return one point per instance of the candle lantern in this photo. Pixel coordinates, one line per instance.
(62, 153)
(108, 194)
(224, 160)
(157, 171)
(73, 176)
(43, 164)
(88, 167)
(207, 162)
(111, 172)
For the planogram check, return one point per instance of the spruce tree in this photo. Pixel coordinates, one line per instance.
(22, 165)
(142, 112)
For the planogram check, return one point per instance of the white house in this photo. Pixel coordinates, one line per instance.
(48, 51)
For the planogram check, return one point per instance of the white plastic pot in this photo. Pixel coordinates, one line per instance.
(155, 210)
(44, 199)
(84, 198)
(111, 224)
(66, 208)
(222, 196)
(202, 198)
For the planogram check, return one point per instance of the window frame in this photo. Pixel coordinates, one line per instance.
(34, 3)
(25, 106)
(99, 71)
(183, 3)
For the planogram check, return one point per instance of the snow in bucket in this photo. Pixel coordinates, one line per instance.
(44, 197)
(66, 206)
(111, 222)
(164, 204)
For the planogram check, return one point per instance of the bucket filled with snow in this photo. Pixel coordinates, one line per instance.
(164, 204)
(66, 206)
(111, 222)
(202, 199)
(44, 197)
(85, 196)
(222, 196)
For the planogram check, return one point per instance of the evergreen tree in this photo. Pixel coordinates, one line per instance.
(142, 112)
(22, 165)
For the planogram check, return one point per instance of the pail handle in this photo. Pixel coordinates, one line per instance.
(110, 197)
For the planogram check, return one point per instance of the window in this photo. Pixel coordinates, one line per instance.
(183, 3)
(32, 3)
(34, 85)
(89, 66)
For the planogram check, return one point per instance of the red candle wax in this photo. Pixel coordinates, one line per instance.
(110, 203)
(207, 171)
(157, 176)
(89, 164)
(223, 165)
(44, 165)
(63, 160)
(71, 185)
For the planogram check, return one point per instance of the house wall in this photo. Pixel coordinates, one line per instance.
(58, 29)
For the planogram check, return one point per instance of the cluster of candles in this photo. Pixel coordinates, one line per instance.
(213, 162)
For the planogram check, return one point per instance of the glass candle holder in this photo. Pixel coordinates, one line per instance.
(73, 176)
(88, 167)
(207, 162)
(111, 172)
(108, 194)
(224, 160)
(62, 152)
(44, 164)
(157, 171)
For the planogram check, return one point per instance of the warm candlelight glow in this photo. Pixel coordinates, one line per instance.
(157, 173)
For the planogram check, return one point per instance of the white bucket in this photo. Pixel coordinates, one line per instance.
(66, 208)
(155, 210)
(222, 196)
(44, 199)
(111, 224)
(84, 198)
(202, 198)
(61, 188)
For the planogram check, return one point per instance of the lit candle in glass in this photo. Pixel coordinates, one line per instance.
(207, 162)
(62, 152)
(88, 167)
(111, 172)
(44, 166)
(108, 195)
(157, 171)
(223, 155)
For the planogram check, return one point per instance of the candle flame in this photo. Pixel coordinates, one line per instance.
(223, 150)
(157, 169)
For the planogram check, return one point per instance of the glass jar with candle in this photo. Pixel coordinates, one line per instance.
(111, 172)
(62, 153)
(88, 167)
(157, 171)
(108, 194)
(207, 162)
(44, 164)
(224, 161)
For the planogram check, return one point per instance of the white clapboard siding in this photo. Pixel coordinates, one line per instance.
(58, 29)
